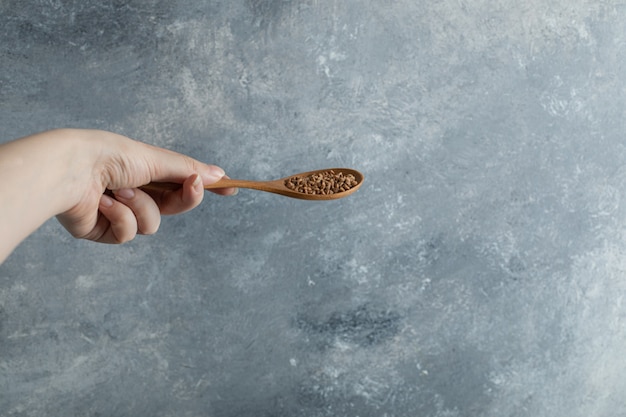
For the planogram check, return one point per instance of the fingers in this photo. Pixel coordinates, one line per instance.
(145, 210)
(181, 200)
(131, 212)
(117, 224)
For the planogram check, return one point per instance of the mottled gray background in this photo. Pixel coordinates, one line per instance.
(480, 270)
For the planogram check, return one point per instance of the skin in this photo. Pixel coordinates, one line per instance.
(89, 180)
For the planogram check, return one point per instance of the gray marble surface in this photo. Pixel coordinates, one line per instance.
(479, 271)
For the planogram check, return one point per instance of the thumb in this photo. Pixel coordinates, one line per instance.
(170, 166)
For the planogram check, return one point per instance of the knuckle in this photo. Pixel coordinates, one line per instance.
(150, 229)
(126, 229)
(127, 236)
(190, 163)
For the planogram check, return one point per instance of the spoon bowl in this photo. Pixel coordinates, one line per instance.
(279, 186)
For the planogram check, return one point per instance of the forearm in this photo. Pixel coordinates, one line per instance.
(39, 177)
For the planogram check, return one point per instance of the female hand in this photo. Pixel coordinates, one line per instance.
(91, 180)
(122, 166)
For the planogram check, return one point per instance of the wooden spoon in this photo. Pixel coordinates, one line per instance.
(276, 186)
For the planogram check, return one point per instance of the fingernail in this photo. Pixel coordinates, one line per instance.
(197, 182)
(215, 173)
(106, 201)
(126, 193)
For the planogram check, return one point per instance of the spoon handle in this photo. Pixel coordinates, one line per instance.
(230, 183)
(222, 183)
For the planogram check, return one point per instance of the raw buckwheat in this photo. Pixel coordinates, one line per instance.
(326, 182)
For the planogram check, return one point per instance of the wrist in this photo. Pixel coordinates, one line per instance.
(72, 160)
(42, 175)
(52, 167)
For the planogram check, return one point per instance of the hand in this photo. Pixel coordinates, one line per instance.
(91, 180)
(123, 165)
